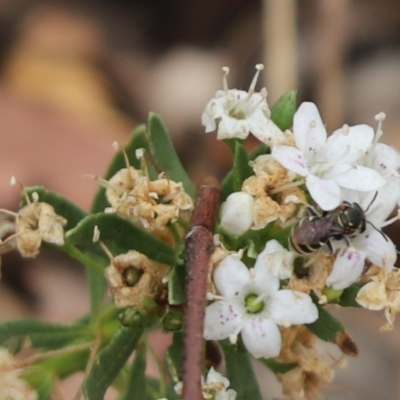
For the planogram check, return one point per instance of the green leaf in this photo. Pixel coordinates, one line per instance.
(277, 367)
(241, 167)
(137, 378)
(97, 290)
(240, 373)
(111, 359)
(348, 297)
(227, 186)
(42, 381)
(138, 140)
(283, 110)
(174, 357)
(42, 335)
(62, 206)
(259, 150)
(326, 327)
(176, 285)
(121, 235)
(164, 154)
(65, 365)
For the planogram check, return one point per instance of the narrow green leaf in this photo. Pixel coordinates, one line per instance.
(164, 153)
(97, 290)
(329, 329)
(241, 374)
(137, 378)
(66, 364)
(174, 357)
(259, 150)
(122, 235)
(111, 359)
(348, 297)
(227, 186)
(62, 206)
(277, 367)
(326, 327)
(241, 167)
(138, 140)
(176, 285)
(42, 335)
(283, 110)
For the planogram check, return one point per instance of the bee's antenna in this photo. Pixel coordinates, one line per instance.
(378, 230)
(370, 204)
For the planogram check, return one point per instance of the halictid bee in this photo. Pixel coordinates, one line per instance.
(316, 230)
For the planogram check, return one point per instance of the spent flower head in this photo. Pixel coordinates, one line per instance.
(34, 223)
(382, 293)
(134, 280)
(152, 204)
(12, 386)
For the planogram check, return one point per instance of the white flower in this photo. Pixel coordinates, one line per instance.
(217, 385)
(386, 161)
(237, 213)
(328, 163)
(252, 304)
(236, 113)
(371, 245)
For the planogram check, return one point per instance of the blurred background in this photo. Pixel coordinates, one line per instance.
(77, 75)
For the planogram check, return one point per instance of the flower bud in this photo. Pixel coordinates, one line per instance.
(237, 213)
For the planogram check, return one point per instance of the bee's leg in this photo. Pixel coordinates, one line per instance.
(330, 247)
(310, 211)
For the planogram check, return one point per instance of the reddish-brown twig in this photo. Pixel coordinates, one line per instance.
(198, 248)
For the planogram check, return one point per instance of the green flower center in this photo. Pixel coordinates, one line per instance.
(131, 276)
(254, 303)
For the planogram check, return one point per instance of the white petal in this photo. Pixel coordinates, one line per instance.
(214, 376)
(380, 249)
(264, 129)
(222, 319)
(237, 213)
(325, 192)
(383, 204)
(385, 159)
(308, 129)
(291, 158)
(350, 146)
(231, 276)
(229, 128)
(361, 178)
(289, 307)
(347, 268)
(207, 118)
(274, 260)
(261, 337)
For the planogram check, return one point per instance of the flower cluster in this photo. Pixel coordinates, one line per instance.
(326, 198)
(250, 301)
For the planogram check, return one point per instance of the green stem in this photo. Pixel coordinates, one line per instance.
(76, 254)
